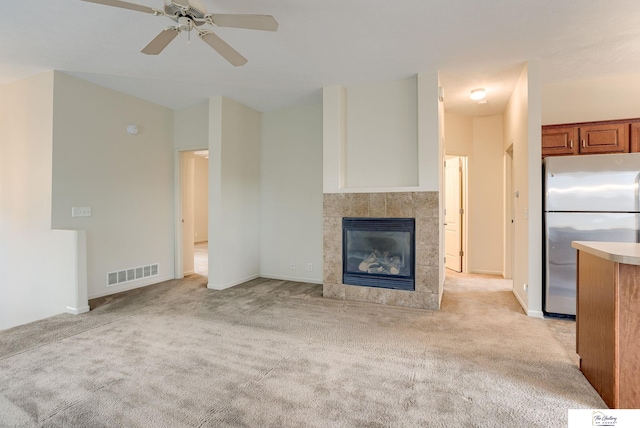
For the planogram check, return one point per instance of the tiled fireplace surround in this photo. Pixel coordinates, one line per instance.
(423, 206)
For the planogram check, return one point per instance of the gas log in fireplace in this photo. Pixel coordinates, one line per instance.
(379, 252)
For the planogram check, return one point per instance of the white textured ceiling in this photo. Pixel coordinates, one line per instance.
(326, 42)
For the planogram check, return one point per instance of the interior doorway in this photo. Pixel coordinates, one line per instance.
(509, 213)
(192, 257)
(456, 214)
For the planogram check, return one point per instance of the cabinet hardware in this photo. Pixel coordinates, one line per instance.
(571, 144)
(583, 144)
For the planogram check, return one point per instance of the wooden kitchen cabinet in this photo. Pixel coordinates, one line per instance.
(635, 137)
(608, 320)
(560, 141)
(609, 138)
(613, 136)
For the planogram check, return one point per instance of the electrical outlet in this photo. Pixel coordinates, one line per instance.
(309, 267)
(293, 266)
(81, 212)
(525, 286)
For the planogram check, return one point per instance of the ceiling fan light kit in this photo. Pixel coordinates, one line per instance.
(191, 15)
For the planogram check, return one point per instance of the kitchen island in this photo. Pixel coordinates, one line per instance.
(608, 320)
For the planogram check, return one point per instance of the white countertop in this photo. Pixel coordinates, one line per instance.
(619, 252)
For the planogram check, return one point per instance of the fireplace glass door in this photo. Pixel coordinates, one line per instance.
(379, 252)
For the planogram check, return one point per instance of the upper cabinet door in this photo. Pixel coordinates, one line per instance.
(560, 141)
(635, 137)
(610, 138)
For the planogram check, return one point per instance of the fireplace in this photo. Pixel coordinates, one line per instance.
(379, 252)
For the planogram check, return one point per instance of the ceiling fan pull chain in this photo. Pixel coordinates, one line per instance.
(189, 37)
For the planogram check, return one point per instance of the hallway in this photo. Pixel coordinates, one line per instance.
(201, 258)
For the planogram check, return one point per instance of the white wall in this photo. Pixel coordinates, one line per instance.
(200, 199)
(534, 161)
(459, 134)
(291, 194)
(605, 98)
(234, 193)
(191, 128)
(382, 139)
(126, 179)
(39, 267)
(515, 123)
(431, 136)
(522, 129)
(426, 153)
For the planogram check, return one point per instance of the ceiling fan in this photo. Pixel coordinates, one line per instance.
(191, 15)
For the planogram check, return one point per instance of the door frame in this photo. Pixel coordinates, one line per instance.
(177, 208)
(509, 213)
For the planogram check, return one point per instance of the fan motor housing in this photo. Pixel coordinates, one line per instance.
(196, 9)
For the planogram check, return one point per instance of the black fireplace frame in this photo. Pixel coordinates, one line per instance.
(395, 282)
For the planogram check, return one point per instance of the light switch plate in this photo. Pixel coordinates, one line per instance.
(81, 212)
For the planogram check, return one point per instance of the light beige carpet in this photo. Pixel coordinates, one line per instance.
(277, 354)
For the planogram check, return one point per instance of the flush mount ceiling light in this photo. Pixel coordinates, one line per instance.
(478, 94)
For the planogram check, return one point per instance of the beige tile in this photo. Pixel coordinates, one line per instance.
(427, 279)
(358, 205)
(426, 204)
(383, 296)
(415, 300)
(400, 205)
(332, 273)
(364, 294)
(334, 204)
(423, 206)
(427, 230)
(332, 227)
(332, 250)
(427, 254)
(333, 291)
(377, 204)
(430, 301)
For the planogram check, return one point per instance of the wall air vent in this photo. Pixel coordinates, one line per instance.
(132, 274)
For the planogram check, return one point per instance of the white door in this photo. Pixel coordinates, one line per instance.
(453, 214)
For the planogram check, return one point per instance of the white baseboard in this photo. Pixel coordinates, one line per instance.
(487, 272)
(190, 272)
(526, 310)
(132, 285)
(231, 284)
(530, 313)
(77, 311)
(292, 278)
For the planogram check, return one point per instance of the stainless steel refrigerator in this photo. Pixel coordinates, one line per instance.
(587, 198)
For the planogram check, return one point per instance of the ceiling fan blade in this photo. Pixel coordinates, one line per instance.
(223, 48)
(183, 3)
(161, 41)
(250, 22)
(125, 5)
